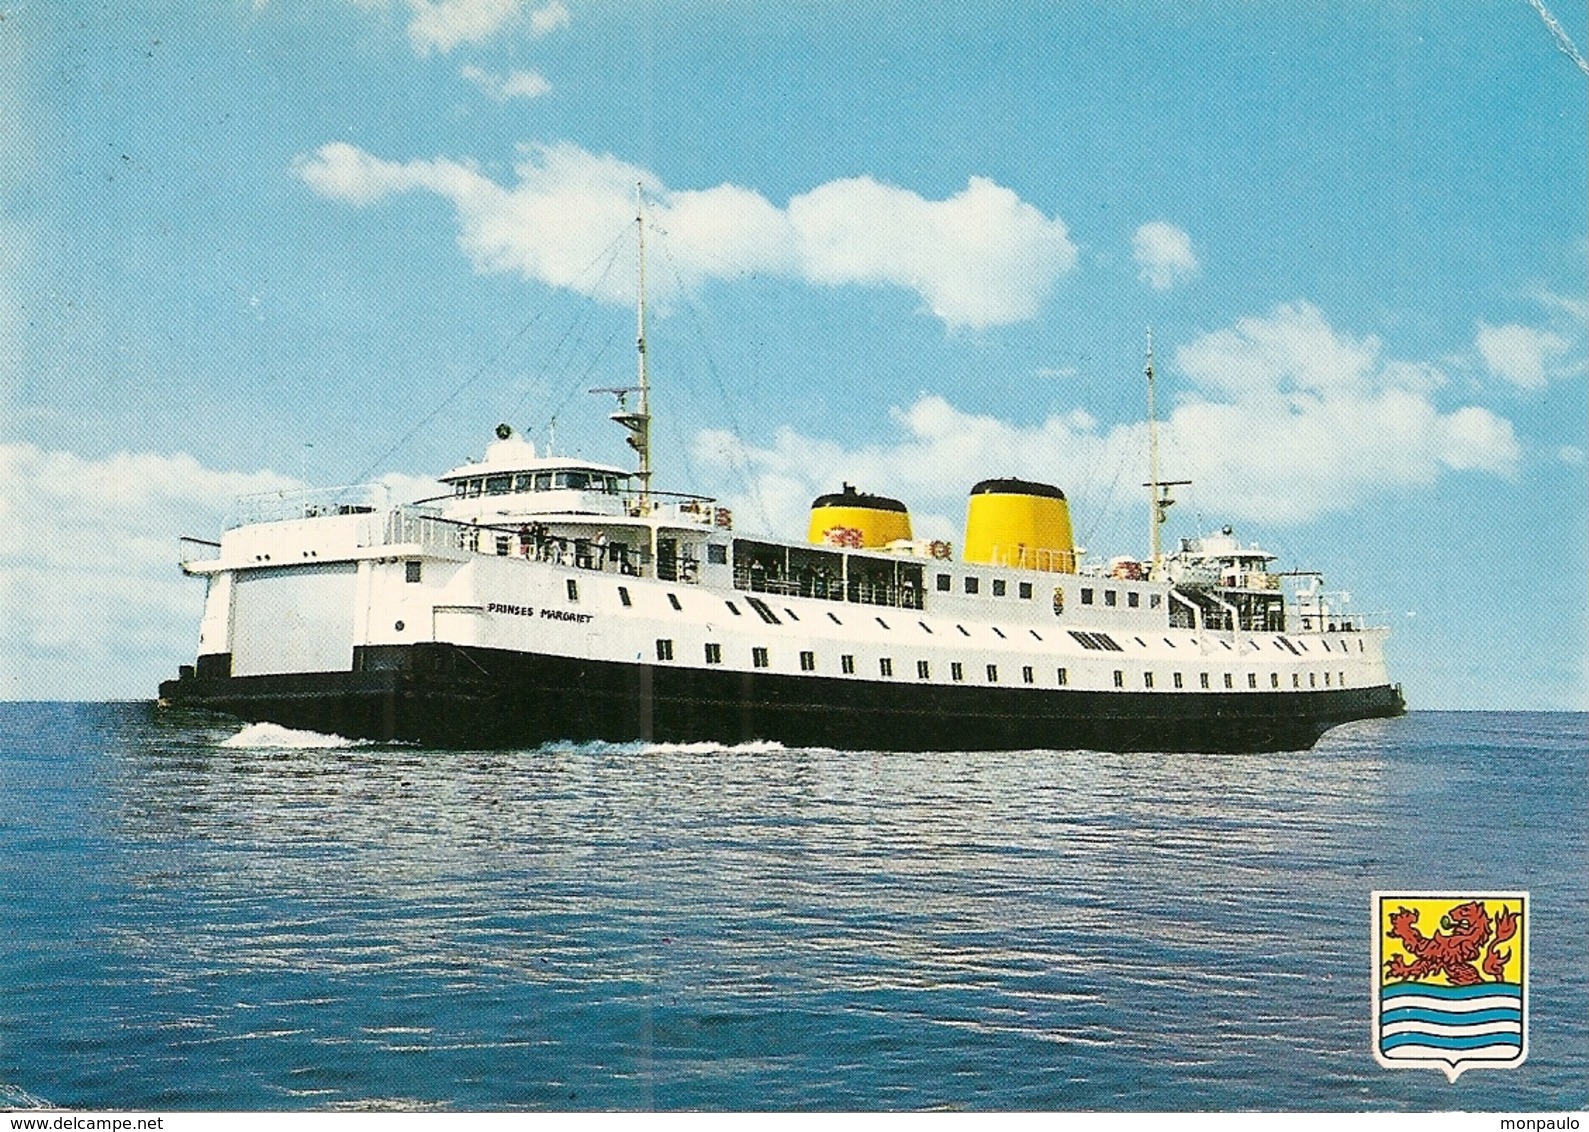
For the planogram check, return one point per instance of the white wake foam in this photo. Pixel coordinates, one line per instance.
(274, 737)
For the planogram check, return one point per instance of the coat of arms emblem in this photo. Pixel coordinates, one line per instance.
(1450, 980)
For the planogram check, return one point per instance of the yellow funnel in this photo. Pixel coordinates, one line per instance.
(1019, 523)
(855, 519)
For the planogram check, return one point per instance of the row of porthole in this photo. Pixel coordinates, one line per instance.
(761, 658)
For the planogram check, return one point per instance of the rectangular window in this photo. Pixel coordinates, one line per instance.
(956, 670)
(673, 600)
(834, 617)
(847, 663)
(758, 657)
(664, 649)
(885, 666)
(924, 627)
(1035, 633)
(808, 662)
(997, 632)
(1342, 680)
(1228, 681)
(1313, 680)
(881, 622)
(503, 545)
(714, 653)
(1120, 678)
(734, 609)
(716, 554)
(1175, 678)
(1274, 679)
(993, 674)
(1202, 679)
(1064, 677)
(411, 570)
(962, 629)
(1133, 599)
(923, 670)
(1024, 589)
(573, 589)
(1147, 679)
(971, 585)
(793, 616)
(1086, 595)
(943, 583)
(1027, 676)
(1110, 598)
(1326, 679)
(623, 596)
(1252, 679)
(1296, 679)
(999, 587)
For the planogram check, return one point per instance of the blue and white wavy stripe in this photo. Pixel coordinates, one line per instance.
(1422, 1020)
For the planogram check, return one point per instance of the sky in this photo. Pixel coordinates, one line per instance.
(251, 245)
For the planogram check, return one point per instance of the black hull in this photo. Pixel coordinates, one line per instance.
(452, 696)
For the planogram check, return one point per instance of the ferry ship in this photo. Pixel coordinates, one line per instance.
(546, 598)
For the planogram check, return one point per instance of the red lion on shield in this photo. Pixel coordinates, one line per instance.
(1467, 929)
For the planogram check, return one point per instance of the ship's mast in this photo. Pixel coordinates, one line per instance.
(642, 438)
(638, 420)
(1159, 498)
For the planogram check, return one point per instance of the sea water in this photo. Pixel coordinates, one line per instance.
(195, 914)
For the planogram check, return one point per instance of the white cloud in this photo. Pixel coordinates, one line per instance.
(547, 19)
(90, 593)
(1523, 355)
(442, 25)
(515, 84)
(1286, 420)
(982, 257)
(1164, 255)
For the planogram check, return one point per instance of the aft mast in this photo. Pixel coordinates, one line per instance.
(1159, 490)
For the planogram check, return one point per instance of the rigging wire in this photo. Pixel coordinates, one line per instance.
(475, 376)
(740, 467)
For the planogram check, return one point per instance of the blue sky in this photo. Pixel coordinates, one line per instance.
(248, 244)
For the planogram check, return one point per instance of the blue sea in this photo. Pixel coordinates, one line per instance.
(196, 915)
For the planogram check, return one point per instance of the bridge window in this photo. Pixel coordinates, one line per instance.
(523, 481)
(543, 481)
(499, 485)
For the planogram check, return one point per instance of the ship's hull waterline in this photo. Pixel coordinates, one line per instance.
(463, 696)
